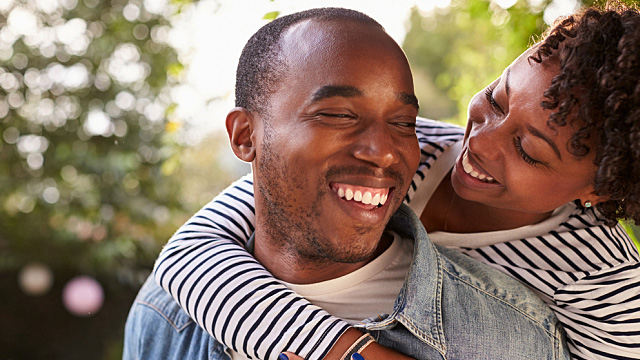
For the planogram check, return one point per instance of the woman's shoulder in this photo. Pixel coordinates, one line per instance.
(586, 234)
(436, 136)
(429, 126)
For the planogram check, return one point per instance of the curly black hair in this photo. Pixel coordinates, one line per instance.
(261, 64)
(598, 90)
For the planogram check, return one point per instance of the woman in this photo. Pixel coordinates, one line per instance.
(533, 187)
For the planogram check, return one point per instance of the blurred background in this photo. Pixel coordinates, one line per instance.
(110, 136)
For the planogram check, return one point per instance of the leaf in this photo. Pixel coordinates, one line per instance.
(271, 15)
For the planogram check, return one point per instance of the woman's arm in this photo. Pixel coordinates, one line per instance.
(601, 313)
(229, 294)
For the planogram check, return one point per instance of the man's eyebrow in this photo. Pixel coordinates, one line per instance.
(544, 137)
(329, 91)
(409, 99)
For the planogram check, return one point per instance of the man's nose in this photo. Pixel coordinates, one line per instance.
(376, 146)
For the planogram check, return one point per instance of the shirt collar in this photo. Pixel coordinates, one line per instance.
(418, 306)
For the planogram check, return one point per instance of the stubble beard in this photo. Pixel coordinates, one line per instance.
(294, 228)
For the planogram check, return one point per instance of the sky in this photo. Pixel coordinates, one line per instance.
(210, 35)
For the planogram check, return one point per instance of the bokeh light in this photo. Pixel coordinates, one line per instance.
(83, 296)
(35, 279)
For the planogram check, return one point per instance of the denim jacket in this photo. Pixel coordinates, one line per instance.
(453, 307)
(450, 307)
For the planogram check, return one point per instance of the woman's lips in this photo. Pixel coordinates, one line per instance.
(475, 171)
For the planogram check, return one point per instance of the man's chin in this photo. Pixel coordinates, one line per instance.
(364, 247)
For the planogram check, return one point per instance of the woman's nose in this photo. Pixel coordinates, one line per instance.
(488, 134)
(489, 138)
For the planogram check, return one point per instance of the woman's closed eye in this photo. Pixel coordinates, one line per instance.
(492, 101)
(523, 154)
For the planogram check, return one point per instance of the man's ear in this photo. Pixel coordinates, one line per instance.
(240, 125)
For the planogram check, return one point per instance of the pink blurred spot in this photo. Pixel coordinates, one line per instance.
(82, 296)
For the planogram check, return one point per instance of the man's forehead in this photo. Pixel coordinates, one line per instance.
(314, 35)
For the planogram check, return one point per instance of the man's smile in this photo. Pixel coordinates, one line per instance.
(365, 195)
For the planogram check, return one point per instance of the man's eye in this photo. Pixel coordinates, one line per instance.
(336, 115)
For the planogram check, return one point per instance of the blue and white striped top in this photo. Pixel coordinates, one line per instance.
(588, 273)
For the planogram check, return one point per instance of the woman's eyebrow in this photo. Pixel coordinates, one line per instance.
(506, 82)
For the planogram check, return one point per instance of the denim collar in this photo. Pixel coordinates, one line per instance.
(423, 284)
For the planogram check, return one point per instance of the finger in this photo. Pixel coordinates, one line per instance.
(289, 356)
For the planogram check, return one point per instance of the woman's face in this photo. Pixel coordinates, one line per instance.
(511, 158)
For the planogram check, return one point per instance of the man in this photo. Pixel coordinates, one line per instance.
(329, 131)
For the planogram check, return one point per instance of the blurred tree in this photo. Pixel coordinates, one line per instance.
(94, 177)
(87, 148)
(455, 52)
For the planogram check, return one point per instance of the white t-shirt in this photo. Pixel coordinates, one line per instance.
(371, 290)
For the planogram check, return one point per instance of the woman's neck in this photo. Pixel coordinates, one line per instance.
(446, 211)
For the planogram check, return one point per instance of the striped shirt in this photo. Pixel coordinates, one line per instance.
(588, 273)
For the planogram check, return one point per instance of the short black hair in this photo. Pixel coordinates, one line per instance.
(261, 67)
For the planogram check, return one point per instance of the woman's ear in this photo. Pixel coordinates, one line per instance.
(240, 125)
(592, 199)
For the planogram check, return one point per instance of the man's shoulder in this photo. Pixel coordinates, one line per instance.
(491, 285)
(158, 328)
(156, 299)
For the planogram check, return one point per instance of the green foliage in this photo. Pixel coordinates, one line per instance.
(456, 52)
(271, 15)
(633, 230)
(83, 93)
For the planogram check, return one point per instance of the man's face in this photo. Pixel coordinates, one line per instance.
(338, 148)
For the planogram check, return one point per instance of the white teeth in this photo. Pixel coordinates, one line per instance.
(468, 168)
(368, 198)
(348, 194)
(465, 165)
(375, 200)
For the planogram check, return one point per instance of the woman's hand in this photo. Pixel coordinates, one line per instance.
(373, 351)
(290, 356)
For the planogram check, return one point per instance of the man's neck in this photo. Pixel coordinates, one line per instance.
(286, 263)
